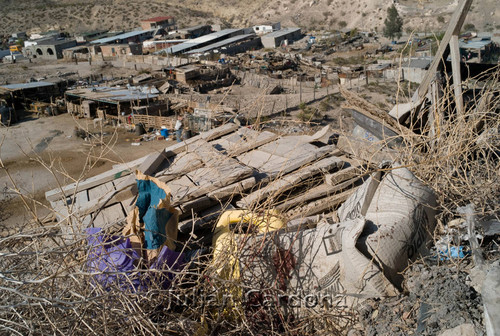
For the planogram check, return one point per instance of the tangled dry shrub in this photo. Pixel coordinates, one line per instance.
(47, 288)
(458, 154)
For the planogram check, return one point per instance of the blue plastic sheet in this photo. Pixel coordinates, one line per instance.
(153, 218)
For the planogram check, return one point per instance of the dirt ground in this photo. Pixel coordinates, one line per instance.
(40, 154)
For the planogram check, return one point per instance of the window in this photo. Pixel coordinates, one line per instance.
(50, 51)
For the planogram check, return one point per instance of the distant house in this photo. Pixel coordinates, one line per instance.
(135, 36)
(266, 28)
(193, 32)
(478, 49)
(111, 50)
(49, 50)
(412, 70)
(89, 36)
(277, 38)
(166, 22)
(78, 53)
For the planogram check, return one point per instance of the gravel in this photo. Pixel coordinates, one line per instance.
(439, 297)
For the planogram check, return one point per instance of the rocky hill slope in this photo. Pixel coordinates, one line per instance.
(78, 15)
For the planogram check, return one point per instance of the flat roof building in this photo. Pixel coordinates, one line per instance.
(230, 45)
(49, 50)
(133, 36)
(165, 22)
(201, 41)
(276, 38)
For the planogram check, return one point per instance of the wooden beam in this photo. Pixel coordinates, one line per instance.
(457, 79)
(315, 193)
(287, 182)
(326, 204)
(454, 27)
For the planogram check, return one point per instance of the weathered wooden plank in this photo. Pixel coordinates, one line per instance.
(457, 79)
(288, 146)
(365, 151)
(324, 204)
(237, 188)
(317, 192)
(196, 206)
(101, 190)
(109, 215)
(180, 187)
(181, 164)
(211, 179)
(242, 141)
(344, 174)
(110, 175)
(287, 182)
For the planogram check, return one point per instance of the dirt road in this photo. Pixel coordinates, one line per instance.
(39, 154)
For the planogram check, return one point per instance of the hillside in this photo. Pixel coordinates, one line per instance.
(77, 15)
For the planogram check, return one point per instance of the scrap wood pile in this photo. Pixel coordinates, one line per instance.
(233, 225)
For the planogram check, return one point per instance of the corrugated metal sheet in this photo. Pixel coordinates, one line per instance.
(112, 94)
(22, 86)
(193, 43)
(474, 44)
(122, 36)
(282, 32)
(221, 43)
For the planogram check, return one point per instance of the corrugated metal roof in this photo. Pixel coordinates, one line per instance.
(478, 44)
(22, 86)
(193, 43)
(122, 36)
(421, 63)
(112, 94)
(221, 43)
(281, 32)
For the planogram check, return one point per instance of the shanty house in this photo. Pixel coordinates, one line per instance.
(89, 36)
(277, 38)
(412, 70)
(477, 50)
(193, 32)
(136, 36)
(111, 50)
(112, 101)
(49, 50)
(166, 22)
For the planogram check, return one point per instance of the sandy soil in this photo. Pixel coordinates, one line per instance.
(40, 154)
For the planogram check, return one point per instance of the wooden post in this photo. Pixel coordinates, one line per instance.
(300, 94)
(457, 80)
(454, 27)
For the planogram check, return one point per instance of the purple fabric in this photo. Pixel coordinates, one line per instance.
(113, 260)
(164, 267)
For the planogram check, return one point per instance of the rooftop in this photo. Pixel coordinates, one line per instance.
(222, 43)
(55, 42)
(282, 32)
(122, 36)
(475, 43)
(193, 43)
(113, 95)
(421, 63)
(23, 86)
